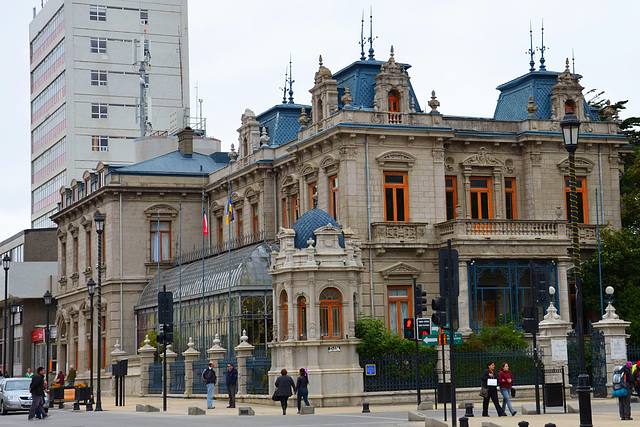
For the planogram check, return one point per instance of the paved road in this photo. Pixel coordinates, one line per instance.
(605, 413)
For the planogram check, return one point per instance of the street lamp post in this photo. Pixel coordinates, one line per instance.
(91, 288)
(47, 303)
(15, 309)
(570, 131)
(6, 262)
(99, 220)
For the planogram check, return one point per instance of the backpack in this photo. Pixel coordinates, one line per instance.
(209, 374)
(619, 381)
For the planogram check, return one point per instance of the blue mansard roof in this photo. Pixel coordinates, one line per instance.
(281, 122)
(176, 163)
(308, 223)
(514, 97)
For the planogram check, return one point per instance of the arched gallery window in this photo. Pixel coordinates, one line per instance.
(330, 314)
(302, 318)
(285, 316)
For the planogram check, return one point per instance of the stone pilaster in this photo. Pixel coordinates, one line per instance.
(615, 340)
(215, 353)
(243, 351)
(190, 355)
(145, 353)
(552, 342)
(171, 357)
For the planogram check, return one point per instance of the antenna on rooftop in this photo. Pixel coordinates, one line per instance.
(542, 49)
(142, 59)
(573, 61)
(290, 81)
(362, 39)
(531, 50)
(284, 89)
(371, 38)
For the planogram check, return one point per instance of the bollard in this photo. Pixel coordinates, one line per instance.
(468, 410)
(76, 406)
(464, 421)
(523, 424)
(365, 408)
(549, 425)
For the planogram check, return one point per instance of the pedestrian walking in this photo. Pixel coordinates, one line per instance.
(284, 389)
(37, 389)
(232, 384)
(302, 388)
(626, 382)
(28, 374)
(209, 377)
(506, 379)
(490, 382)
(60, 378)
(71, 376)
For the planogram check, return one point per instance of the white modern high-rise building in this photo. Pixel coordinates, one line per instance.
(87, 86)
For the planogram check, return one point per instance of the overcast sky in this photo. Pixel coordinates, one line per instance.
(239, 51)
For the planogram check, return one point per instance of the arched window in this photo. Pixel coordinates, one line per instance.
(394, 102)
(302, 318)
(330, 314)
(245, 147)
(569, 107)
(285, 315)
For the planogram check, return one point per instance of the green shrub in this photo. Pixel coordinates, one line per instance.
(377, 340)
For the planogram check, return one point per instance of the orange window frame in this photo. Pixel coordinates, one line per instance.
(510, 198)
(581, 193)
(88, 249)
(240, 223)
(477, 194)
(256, 218)
(296, 212)
(330, 308)
(398, 300)
(302, 318)
(333, 189)
(220, 230)
(285, 213)
(313, 195)
(285, 316)
(393, 100)
(451, 196)
(393, 204)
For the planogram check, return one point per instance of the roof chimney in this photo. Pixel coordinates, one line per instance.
(185, 141)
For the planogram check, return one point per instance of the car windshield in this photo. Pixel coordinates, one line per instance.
(17, 385)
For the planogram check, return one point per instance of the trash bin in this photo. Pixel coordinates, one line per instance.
(553, 394)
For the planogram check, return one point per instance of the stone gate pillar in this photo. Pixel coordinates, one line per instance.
(243, 351)
(190, 355)
(146, 353)
(552, 342)
(215, 353)
(615, 340)
(171, 357)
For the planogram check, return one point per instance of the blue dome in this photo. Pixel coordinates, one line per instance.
(310, 222)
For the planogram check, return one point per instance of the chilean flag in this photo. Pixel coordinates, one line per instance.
(205, 226)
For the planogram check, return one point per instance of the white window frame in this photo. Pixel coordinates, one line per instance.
(98, 78)
(98, 45)
(99, 111)
(99, 143)
(97, 13)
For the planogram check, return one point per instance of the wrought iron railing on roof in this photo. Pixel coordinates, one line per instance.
(217, 248)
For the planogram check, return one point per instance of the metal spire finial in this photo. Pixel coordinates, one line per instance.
(371, 38)
(362, 39)
(531, 51)
(573, 61)
(284, 89)
(542, 49)
(320, 60)
(290, 82)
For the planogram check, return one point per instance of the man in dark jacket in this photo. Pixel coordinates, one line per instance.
(209, 377)
(37, 394)
(232, 384)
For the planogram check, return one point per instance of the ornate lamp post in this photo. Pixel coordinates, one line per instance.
(15, 309)
(99, 220)
(47, 303)
(91, 289)
(570, 131)
(6, 262)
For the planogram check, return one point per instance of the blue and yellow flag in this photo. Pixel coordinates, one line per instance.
(229, 211)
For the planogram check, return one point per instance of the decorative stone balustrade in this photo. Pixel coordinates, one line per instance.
(395, 232)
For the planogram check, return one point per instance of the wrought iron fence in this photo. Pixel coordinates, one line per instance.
(469, 366)
(258, 374)
(155, 378)
(397, 372)
(176, 384)
(199, 386)
(222, 374)
(633, 354)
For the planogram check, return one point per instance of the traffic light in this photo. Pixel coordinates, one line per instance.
(409, 330)
(161, 335)
(165, 334)
(439, 307)
(419, 300)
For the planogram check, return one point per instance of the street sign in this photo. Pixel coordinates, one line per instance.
(424, 327)
(370, 369)
(433, 339)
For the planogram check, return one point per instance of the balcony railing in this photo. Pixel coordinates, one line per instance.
(238, 242)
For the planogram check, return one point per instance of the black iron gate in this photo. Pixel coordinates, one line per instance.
(595, 360)
(176, 384)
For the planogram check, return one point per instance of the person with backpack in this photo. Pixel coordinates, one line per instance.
(622, 383)
(209, 377)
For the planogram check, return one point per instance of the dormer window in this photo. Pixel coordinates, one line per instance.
(569, 107)
(394, 102)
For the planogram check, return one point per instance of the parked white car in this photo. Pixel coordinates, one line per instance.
(15, 395)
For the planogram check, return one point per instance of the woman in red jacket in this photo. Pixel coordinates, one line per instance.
(505, 379)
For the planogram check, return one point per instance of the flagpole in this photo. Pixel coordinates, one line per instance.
(229, 216)
(180, 279)
(158, 256)
(202, 347)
